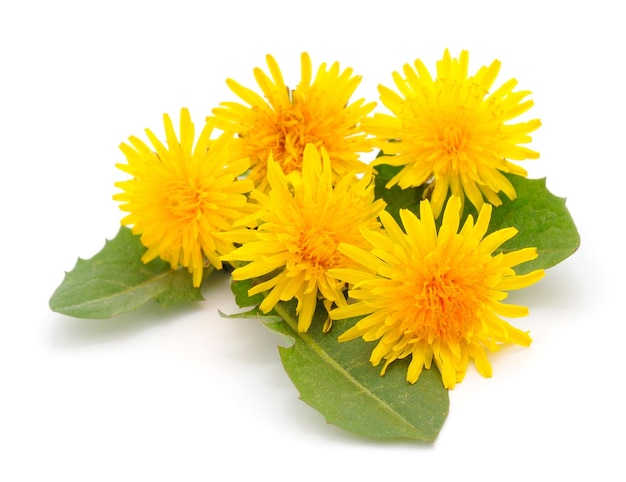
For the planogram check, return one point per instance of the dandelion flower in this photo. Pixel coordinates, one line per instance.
(316, 112)
(435, 295)
(180, 196)
(452, 132)
(305, 216)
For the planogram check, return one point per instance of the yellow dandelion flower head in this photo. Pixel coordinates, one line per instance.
(305, 216)
(435, 294)
(318, 111)
(179, 196)
(451, 131)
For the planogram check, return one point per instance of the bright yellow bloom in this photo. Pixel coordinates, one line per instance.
(317, 111)
(180, 196)
(435, 295)
(452, 132)
(304, 218)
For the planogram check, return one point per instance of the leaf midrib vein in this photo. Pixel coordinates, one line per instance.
(129, 289)
(330, 361)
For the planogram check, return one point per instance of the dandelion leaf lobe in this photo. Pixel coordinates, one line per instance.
(116, 281)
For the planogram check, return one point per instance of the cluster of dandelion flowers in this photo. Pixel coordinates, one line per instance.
(452, 132)
(318, 111)
(305, 216)
(435, 295)
(179, 196)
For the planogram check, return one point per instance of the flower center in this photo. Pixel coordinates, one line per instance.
(185, 201)
(441, 304)
(452, 138)
(291, 139)
(318, 249)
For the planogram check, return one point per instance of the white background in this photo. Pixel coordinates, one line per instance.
(184, 395)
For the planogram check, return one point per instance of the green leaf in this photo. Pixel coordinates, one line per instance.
(116, 281)
(543, 222)
(542, 219)
(338, 380)
(240, 290)
(395, 197)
